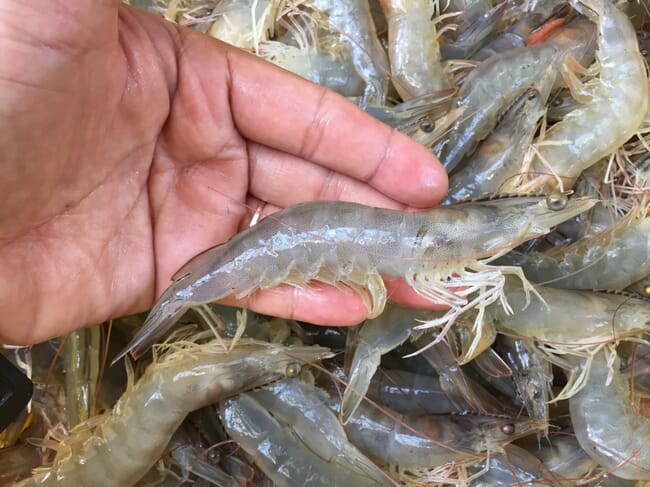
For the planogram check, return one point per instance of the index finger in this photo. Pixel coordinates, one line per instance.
(276, 108)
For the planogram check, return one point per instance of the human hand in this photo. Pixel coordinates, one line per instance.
(130, 145)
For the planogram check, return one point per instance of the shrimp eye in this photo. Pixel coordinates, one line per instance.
(531, 96)
(293, 369)
(427, 126)
(214, 456)
(508, 429)
(556, 201)
(647, 290)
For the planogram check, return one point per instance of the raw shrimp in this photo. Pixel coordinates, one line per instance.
(618, 99)
(501, 154)
(288, 453)
(573, 323)
(128, 441)
(375, 338)
(353, 21)
(413, 48)
(613, 259)
(351, 244)
(427, 440)
(531, 374)
(607, 425)
(497, 82)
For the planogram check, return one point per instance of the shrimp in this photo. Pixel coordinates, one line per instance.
(352, 245)
(613, 259)
(573, 323)
(590, 132)
(427, 441)
(497, 82)
(352, 20)
(531, 374)
(607, 426)
(375, 338)
(134, 435)
(413, 48)
(501, 154)
(276, 428)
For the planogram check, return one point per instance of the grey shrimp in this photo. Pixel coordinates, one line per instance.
(129, 440)
(607, 426)
(616, 104)
(435, 251)
(497, 82)
(295, 439)
(573, 324)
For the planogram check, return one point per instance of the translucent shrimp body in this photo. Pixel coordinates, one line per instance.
(613, 259)
(375, 338)
(429, 441)
(296, 440)
(129, 441)
(353, 21)
(573, 323)
(607, 426)
(617, 106)
(497, 82)
(350, 244)
(413, 48)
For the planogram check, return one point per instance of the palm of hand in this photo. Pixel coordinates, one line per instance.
(131, 145)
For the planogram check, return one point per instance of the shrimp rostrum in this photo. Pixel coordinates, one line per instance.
(352, 245)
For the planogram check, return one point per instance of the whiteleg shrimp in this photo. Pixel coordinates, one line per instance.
(129, 440)
(618, 99)
(353, 245)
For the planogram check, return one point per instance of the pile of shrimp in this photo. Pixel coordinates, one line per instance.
(535, 370)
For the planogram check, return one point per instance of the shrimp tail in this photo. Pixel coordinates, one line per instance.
(160, 320)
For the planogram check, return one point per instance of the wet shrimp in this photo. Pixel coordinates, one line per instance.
(295, 439)
(617, 103)
(612, 259)
(427, 441)
(375, 338)
(502, 153)
(608, 425)
(353, 21)
(496, 83)
(135, 434)
(573, 324)
(413, 49)
(349, 244)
